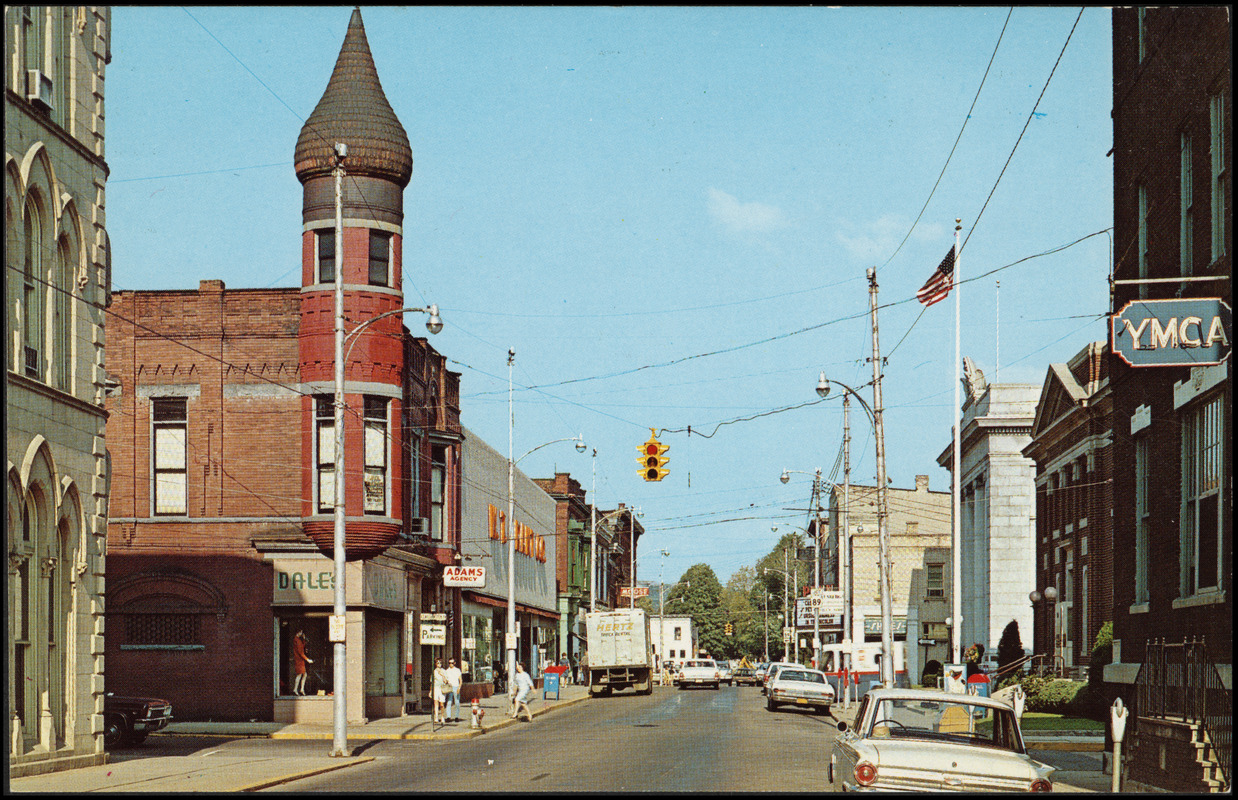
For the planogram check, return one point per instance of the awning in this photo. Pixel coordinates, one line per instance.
(520, 607)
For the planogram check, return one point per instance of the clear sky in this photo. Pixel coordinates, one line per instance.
(667, 213)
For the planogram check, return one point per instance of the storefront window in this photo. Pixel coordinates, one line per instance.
(319, 667)
(477, 649)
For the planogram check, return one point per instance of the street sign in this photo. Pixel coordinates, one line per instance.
(641, 591)
(928, 642)
(439, 617)
(1193, 332)
(335, 628)
(434, 634)
(787, 633)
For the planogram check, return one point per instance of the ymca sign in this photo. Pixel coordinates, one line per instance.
(1172, 333)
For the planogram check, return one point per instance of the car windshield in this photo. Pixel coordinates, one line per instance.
(798, 675)
(945, 720)
(699, 664)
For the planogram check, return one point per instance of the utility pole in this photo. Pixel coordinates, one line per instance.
(512, 640)
(795, 611)
(766, 600)
(339, 739)
(816, 563)
(786, 604)
(883, 533)
(845, 544)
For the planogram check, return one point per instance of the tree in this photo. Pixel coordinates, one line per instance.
(699, 595)
(1009, 647)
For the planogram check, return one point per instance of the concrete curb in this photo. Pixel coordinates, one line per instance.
(296, 776)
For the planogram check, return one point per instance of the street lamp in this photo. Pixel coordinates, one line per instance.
(786, 591)
(1050, 597)
(512, 638)
(661, 614)
(339, 741)
(816, 545)
(883, 536)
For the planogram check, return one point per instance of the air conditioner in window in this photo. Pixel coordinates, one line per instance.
(39, 88)
(419, 526)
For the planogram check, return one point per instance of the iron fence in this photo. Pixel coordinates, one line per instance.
(1179, 681)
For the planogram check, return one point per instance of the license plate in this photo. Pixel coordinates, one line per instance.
(801, 701)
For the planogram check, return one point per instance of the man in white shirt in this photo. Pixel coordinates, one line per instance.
(455, 679)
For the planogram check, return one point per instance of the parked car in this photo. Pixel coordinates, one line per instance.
(772, 671)
(699, 672)
(924, 740)
(745, 676)
(801, 687)
(129, 720)
(725, 674)
(760, 671)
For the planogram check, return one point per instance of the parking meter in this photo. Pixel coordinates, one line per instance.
(1117, 716)
(1020, 700)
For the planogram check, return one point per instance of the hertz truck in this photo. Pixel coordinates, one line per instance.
(619, 654)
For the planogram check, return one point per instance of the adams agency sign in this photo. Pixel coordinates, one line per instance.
(1172, 333)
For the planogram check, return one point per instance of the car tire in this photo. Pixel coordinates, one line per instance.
(716, 685)
(115, 730)
(134, 739)
(770, 705)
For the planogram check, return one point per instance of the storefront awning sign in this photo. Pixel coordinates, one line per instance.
(433, 634)
(468, 577)
(1193, 332)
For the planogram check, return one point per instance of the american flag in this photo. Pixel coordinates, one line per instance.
(938, 285)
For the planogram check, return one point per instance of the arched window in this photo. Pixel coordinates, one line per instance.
(32, 331)
(63, 325)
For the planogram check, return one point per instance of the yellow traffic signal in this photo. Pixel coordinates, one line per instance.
(653, 459)
(729, 629)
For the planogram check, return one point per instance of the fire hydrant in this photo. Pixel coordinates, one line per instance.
(478, 713)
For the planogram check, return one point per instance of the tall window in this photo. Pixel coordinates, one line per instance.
(935, 580)
(1202, 460)
(1220, 175)
(63, 327)
(375, 455)
(380, 258)
(170, 425)
(31, 296)
(1141, 17)
(326, 255)
(1186, 215)
(324, 422)
(1143, 239)
(1142, 521)
(438, 491)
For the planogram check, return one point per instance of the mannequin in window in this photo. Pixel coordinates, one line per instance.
(299, 660)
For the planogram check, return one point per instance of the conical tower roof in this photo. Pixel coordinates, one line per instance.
(354, 110)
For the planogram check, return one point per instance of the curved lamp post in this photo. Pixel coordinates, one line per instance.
(883, 536)
(512, 639)
(1050, 597)
(816, 560)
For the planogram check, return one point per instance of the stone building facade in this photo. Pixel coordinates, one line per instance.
(998, 524)
(918, 524)
(56, 295)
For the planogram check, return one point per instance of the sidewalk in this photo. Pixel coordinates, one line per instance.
(247, 774)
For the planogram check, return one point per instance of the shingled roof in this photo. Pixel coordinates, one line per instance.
(354, 110)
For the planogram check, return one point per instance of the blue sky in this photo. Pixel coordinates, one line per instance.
(667, 213)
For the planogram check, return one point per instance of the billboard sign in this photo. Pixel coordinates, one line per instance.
(468, 577)
(1193, 332)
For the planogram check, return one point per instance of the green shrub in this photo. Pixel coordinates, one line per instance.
(1092, 701)
(1053, 696)
(929, 680)
(1010, 647)
(1102, 654)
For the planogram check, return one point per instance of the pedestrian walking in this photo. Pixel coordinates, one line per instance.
(439, 690)
(524, 692)
(584, 668)
(566, 671)
(455, 679)
(299, 660)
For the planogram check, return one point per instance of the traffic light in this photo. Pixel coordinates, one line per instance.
(729, 629)
(653, 459)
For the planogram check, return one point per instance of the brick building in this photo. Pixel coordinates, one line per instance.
(1072, 438)
(222, 422)
(58, 271)
(571, 559)
(1173, 425)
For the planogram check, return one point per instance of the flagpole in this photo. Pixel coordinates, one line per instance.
(957, 539)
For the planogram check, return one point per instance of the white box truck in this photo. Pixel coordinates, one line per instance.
(619, 652)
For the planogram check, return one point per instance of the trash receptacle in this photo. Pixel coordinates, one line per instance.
(550, 684)
(978, 685)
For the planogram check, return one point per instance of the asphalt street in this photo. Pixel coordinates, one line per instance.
(696, 740)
